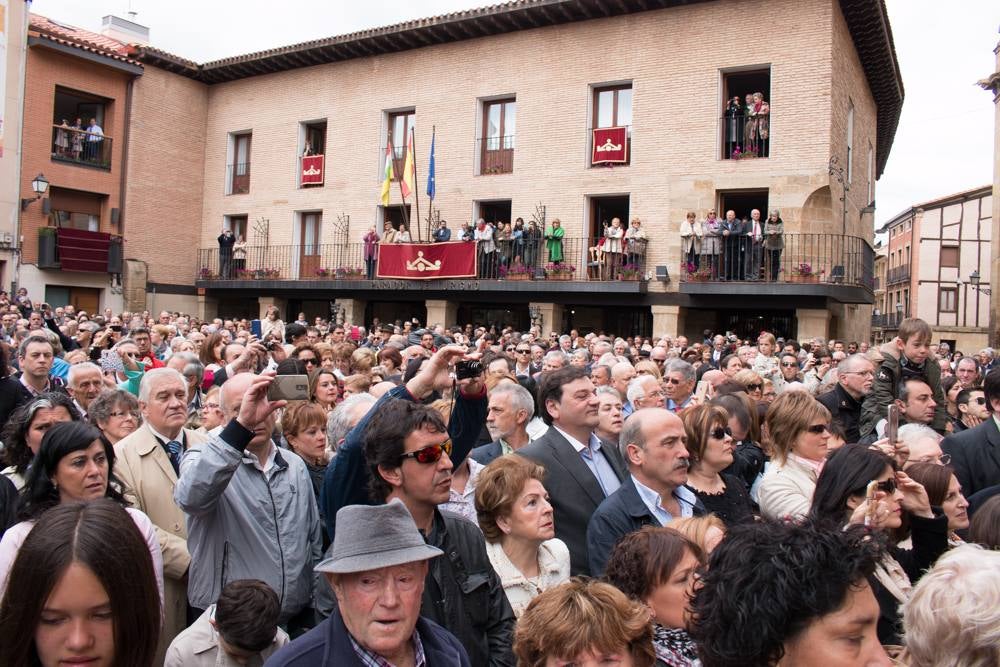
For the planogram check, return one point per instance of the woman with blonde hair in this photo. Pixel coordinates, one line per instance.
(584, 622)
(799, 430)
(647, 367)
(752, 382)
(516, 518)
(705, 531)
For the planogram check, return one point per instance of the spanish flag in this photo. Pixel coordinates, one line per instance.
(408, 169)
(387, 183)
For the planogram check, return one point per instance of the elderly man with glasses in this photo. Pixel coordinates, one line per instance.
(678, 384)
(855, 376)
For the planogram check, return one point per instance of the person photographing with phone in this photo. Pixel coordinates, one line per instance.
(862, 486)
(251, 513)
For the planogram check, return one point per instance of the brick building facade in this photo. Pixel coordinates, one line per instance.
(219, 144)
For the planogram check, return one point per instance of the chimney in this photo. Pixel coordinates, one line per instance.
(125, 30)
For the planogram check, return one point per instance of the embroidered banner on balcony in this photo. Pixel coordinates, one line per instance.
(312, 170)
(427, 261)
(610, 145)
(80, 250)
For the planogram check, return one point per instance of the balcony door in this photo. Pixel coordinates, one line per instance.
(241, 164)
(499, 124)
(309, 249)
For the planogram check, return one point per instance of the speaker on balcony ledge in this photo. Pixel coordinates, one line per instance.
(662, 274)
(115, 216)
(46, 206)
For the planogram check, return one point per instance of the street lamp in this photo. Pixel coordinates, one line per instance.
(974, 283)
(40, 186)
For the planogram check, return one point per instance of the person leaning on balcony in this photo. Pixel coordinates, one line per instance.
(403, 235)
(692, 233)
(389, 233)
(226, 242)
(76, 138)
(733, 230)
(635, 242)
(239, 254)
(755, 249)
(711, 245)
(554, 241)
(774, 243)
(486, 248)
(371, 252)
(442, 233)
(62, 138)
(613, 235)
(95, 135)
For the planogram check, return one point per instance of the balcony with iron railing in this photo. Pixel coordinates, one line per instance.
(887, 320)
(807, 264)
(745, 137)
(496, 155)
(898, 274)
(75, 146)
(533, 264)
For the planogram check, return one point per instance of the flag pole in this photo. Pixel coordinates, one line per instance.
(416, 182)
(430, 205)
(406, 218)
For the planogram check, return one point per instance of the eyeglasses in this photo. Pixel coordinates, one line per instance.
(720, 432)
(309, 360)
(210, 406)
(887, 487)
(509, 349)
(523, 351)
(870, 374)
(123, 415)
(756, 386)
(672, 381)
(429, 454)
(818, 428)
(789, 364)
(943, 459)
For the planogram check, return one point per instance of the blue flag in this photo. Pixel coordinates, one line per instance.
(431, 182)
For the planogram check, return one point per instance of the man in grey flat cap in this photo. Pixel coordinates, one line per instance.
(376, 567)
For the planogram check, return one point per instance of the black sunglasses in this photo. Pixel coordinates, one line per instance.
(309, 360)
(429, 454)
(720, 432)
(818, 428)
(672, 380)
(524, 351)
(887, 487)
(755, 386)
(788, 365)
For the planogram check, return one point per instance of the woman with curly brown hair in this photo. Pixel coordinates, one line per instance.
(584, 623)
(656, 566)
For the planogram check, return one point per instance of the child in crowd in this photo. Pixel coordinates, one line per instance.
(904, 358)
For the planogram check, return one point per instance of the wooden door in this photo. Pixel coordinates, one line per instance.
(85, 298)
(241, 164)
(309, 251)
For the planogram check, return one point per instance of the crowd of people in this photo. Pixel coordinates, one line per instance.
(485, 496)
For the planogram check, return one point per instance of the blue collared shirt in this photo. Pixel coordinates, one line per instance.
(685, 498)
(595, 460)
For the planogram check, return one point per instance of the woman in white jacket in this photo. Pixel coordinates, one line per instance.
(516, 518)
(692, 233)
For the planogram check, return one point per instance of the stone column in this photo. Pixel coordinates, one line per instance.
(441, 312)
(551, 315)
(208, 308)
(667, 321)
(266, 302)
(354, 311)
(813, 323)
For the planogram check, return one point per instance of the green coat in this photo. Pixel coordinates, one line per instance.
(554, 244)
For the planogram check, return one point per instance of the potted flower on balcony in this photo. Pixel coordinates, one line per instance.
(516, 271)
(349, 273)
(696, 274)
(206, 274)
(271, 274)
(629, 272)
(555, 271)
(803, 273)
(322, 273)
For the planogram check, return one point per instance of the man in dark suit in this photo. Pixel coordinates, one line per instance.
(975, 453)
(855, 376)
(654, 445)
(579, 472)
(510, 409)
(734, 241)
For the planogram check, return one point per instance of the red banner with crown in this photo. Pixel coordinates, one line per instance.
(312, 170)
(427, 261)
(610, 145)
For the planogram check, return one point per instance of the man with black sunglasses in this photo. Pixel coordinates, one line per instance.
(522, 360)
(972, 412)
(975, 453)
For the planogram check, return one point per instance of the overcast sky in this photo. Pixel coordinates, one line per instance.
(944, 143)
